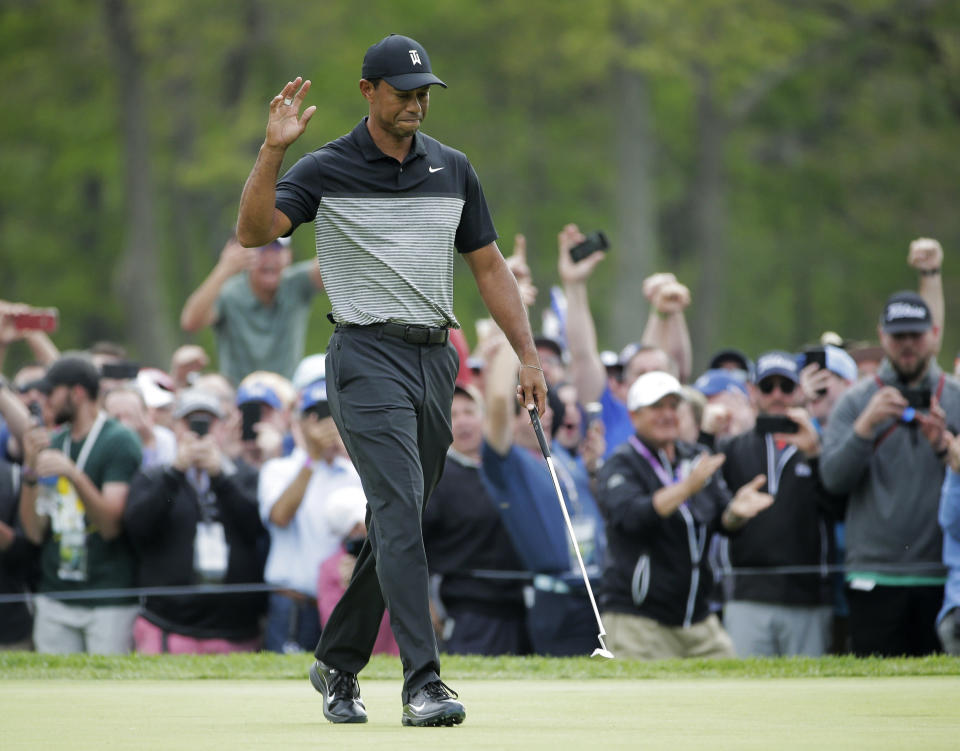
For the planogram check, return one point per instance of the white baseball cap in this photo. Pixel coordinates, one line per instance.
(650, 388)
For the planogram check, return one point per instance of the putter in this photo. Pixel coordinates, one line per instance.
(602, 650)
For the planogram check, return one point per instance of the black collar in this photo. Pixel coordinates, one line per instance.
(371, 152)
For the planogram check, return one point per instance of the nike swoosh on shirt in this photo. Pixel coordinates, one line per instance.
(434, 169)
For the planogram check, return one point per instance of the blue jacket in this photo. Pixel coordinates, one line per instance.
(950, 523)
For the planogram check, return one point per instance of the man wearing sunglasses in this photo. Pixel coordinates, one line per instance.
(780, 612)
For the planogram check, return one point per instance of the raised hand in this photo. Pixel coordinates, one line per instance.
(285, 124)
(703, 470)
(654, 282)
(235, 258)
(747, 503)
(572, 271)
(925, 254)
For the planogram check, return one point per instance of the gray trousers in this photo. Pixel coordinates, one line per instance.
(765, 630)
(391, 402)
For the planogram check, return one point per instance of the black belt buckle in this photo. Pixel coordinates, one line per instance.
(416, 334)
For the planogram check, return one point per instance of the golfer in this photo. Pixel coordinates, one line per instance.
(390, 205)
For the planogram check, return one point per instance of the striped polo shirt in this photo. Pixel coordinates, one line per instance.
(386, 230)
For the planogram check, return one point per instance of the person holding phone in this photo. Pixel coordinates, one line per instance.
(890, 458)
(780, 612)
(194, 521)
(76, 515)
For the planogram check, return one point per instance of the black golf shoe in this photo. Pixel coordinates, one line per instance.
(341, 693)
(433, 705)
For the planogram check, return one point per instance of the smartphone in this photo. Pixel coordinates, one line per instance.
(817, 355)
(38, 319)
(121, 371)
(36, 412)
(776, 424)
(199, 424)
(594, 411)
(249, 416)
(595, 242)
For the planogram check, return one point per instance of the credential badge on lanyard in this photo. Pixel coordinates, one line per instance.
(70, 519)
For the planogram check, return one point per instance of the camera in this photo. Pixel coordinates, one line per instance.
(917, 398)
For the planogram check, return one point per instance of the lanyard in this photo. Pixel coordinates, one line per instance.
(87, 446)
(776, 466)
(657, 465)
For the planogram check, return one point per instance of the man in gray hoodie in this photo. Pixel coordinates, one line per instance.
(885, 446)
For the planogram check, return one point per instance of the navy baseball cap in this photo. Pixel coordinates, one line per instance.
(314, 398)
(777, 363)
(400, 61)
(906, 313)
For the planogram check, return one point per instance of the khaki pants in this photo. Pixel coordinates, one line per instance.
(645, 639)
(59, 628)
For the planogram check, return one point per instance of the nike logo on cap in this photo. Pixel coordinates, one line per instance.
(434, 169)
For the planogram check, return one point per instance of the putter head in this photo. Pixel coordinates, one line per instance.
(602, 650)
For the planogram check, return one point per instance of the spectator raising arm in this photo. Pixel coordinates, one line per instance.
(501, 395)
(586, 369)
(926, 256)
(666, 327)
(199, 311)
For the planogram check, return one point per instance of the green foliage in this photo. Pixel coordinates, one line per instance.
(836, 124)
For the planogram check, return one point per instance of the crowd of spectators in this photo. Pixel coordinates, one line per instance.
(800, 502)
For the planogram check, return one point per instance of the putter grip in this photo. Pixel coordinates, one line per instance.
(538, 429)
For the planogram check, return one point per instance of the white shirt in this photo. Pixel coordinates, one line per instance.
(297, 550)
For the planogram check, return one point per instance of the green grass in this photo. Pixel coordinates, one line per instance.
(265, 701)
(267, 666)
(530, 714)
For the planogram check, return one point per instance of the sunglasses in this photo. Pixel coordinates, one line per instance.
(767, 385)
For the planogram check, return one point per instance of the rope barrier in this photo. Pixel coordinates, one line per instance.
(915, 569)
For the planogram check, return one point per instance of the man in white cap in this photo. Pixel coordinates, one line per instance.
(662, 500)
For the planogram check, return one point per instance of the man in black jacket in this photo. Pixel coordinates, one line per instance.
(19, 564)
(196, 522)
(782, 612)
(662, 500)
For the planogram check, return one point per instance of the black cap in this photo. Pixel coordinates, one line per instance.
(74, 370)
(548, 342)
(730, 355)
(777, 363)
(400, 61)
(905, 313)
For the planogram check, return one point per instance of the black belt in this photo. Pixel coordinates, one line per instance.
(410, 333)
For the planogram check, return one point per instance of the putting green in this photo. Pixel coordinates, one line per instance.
(597, 715)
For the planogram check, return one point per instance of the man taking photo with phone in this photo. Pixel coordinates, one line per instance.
(195, 522)
(885, 445)
(780, 612)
